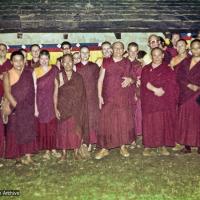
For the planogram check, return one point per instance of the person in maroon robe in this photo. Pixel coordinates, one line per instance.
(182, 54)
(116, 123)
(20, 93)
(159, 100)
(45, 75)
(137, 70)
(172, 48)
(66, 48)
(5, 65)
(70, 106)
(90, 73)
(188, 78)
(35, 52)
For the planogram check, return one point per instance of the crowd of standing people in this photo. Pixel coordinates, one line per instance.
(125, 96)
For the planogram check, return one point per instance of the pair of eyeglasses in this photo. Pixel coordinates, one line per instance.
(153, 41)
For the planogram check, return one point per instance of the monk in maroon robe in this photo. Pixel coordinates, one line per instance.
(35, 52)
(116, 123)
(188, 78)
(20, 93)
(71, 108)
(90, 72)
(136, 72)
(159, 100)
(45, 75)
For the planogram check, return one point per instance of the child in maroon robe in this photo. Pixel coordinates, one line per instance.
(45, 76)
(90, 72)
(20, 93)
(116, 123)
(71, 108)
(188, 78)
(158, 98)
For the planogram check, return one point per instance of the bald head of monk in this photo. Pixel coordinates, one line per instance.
(118, 50)
(157, 56)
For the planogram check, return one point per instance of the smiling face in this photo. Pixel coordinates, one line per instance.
(44, 60)
(118, 50)
(18, 62)
(106, 50)
(195, 48)
(35, 51)
(85, 54)
(132, 52)
(154, 41)
(181, 47)
(76, 57)
(157, 56)
(68, 63)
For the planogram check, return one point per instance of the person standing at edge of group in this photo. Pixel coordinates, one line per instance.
(21, 127)
(188, 78)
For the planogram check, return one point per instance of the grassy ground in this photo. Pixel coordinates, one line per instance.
(112, 178)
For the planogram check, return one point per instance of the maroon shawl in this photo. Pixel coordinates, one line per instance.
(72, 101)
(112, 89)
(164, 77)
(22, 121)
(45, 90)
(90, 74)
(184, 77)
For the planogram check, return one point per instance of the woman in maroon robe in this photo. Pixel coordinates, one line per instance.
(45, 76)
(159, 99)
(70, 107)
(90, 72)
(188, 78)
(20, 93)
(116, 123)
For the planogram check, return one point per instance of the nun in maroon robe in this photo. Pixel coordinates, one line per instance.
(188, 78)
(158, 110)
(45, 105)
(21, 127)
(90, 72)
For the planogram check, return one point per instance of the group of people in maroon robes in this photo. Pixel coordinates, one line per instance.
(108, 104)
